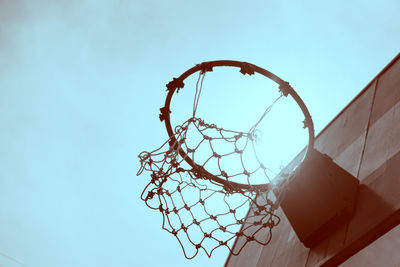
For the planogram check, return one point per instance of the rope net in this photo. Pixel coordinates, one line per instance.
(201, 204)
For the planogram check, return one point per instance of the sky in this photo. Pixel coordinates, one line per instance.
(81, 84)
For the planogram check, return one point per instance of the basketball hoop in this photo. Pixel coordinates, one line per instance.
(186, 191)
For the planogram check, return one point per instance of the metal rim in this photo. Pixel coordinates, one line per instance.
(245, 68)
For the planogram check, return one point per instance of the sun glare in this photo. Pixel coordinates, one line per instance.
(249, 104)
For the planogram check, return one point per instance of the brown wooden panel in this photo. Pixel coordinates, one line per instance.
(248, 257)
(278, 242)
(298, 254)
(346, 128)
(377, 211)
(295, 255)
(383, 141)
(327, 248)
(317, 253)
(388, 91)
(382, 252)
(371, 209)
(284, 241)
(350, 158)
(385, 181)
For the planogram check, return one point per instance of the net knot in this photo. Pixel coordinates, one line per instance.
(173, 144)
(174, 163)
(222, 243)
(261, 208)
(267, 224)
(150, 195)
(240, 233)
(250, 238)
(238, 151)
(238, 136)
(206, 137)
(153, 178)
(180, 170)
(160, 191)
(201, 122)
(184, 228)
(255, 135)
(198, 171)
(215, 155)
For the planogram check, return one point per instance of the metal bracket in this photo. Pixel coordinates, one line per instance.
(175, 84)
(306, 124)
(205, 67)
(247, 68)
(164, 113)
(285, 87)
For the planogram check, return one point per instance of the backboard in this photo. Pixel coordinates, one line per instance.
(363, 139)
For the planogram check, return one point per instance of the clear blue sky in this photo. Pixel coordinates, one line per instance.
(81, 84)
